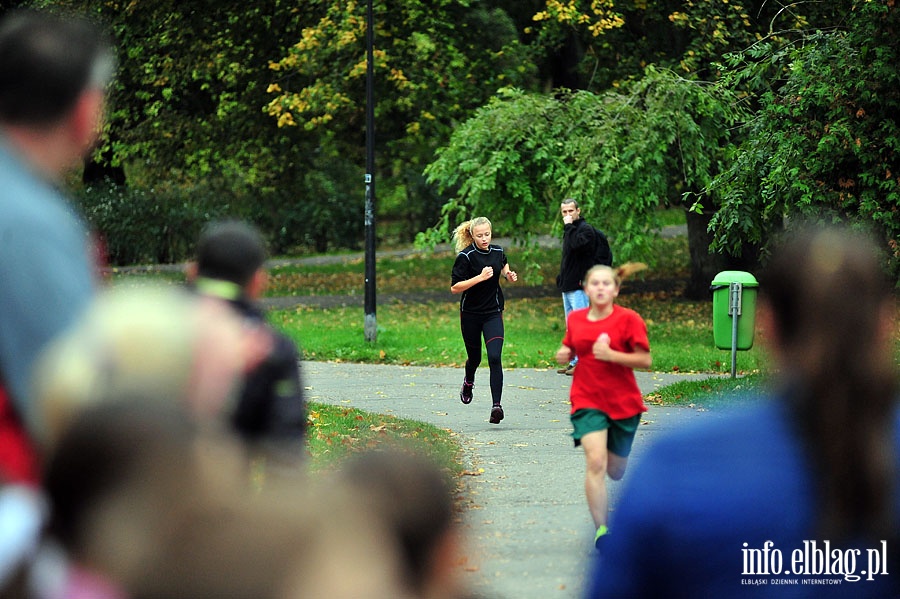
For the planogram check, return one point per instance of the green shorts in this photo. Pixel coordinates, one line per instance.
(620, 433)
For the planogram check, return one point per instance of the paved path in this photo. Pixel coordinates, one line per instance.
(529, 530)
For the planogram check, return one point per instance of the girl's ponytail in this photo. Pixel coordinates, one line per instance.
(463, 233)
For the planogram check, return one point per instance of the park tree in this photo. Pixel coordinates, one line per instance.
(435, 62)
(187, 139)
(596, 44)
(825, 140)
(622, 153)
(256, 110)
(661, 137)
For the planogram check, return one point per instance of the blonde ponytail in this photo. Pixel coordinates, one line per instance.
(619, 273)
(463, 233)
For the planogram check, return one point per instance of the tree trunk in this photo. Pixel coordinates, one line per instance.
(706, 265)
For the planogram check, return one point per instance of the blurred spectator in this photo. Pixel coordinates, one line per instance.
(159, 344)
(143, 512)
(270, 411)
(414, 498)
(792, 487)
(53, 75)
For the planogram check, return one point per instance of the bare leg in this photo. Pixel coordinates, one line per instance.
(596, 455)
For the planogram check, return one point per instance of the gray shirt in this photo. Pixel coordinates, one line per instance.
(46, 272)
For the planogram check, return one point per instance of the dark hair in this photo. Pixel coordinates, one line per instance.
(828, 294)
(46, 61)
(230, 250)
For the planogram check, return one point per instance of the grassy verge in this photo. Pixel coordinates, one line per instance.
(428, 334)
(710, 393)
(335, 432)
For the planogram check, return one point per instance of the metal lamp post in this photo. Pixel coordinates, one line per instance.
(371, 323)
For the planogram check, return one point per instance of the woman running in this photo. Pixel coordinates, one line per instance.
(476, 275)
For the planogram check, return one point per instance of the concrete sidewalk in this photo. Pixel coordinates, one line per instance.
(530, 534)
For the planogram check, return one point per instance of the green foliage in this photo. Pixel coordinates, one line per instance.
(606, 42)
(825, 143)
(199, 83)
(154, 226)
(434, 64)
(622, 154)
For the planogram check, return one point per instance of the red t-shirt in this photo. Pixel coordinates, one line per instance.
(596, 384)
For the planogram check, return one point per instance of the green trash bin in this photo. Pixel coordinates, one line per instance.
(744, 293)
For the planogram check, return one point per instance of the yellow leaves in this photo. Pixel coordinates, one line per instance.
(318, 103)
(286, 119)
(358, 70)
(398, 76)
(347, 38)
(602, 16)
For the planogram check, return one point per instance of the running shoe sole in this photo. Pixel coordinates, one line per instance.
(496, 414)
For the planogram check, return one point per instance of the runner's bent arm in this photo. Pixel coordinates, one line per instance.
(486, 273)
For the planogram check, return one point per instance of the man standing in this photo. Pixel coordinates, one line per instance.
(583, 246)
(53, 75)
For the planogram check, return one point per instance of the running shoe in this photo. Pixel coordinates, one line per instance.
(496, 414)
(465, 394)
(601, 537)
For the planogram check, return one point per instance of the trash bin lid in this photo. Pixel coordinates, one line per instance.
(726, 277)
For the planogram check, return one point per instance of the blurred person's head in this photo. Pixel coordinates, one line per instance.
(117, 474)
(414, 498)
(54, 70)
(138, 501)
(158, 344)
(232, 251)
(827, 312)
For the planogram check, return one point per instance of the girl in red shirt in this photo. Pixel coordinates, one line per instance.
(610, 342)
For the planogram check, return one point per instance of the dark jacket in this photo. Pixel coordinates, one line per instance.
(578, 245)
(271, 409)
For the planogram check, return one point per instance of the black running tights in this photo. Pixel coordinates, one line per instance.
(490, 326)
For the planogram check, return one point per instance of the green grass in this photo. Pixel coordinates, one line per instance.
(710, 393)
(428, 334)
(336, 432)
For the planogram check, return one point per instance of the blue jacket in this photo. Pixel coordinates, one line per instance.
(725, 509)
